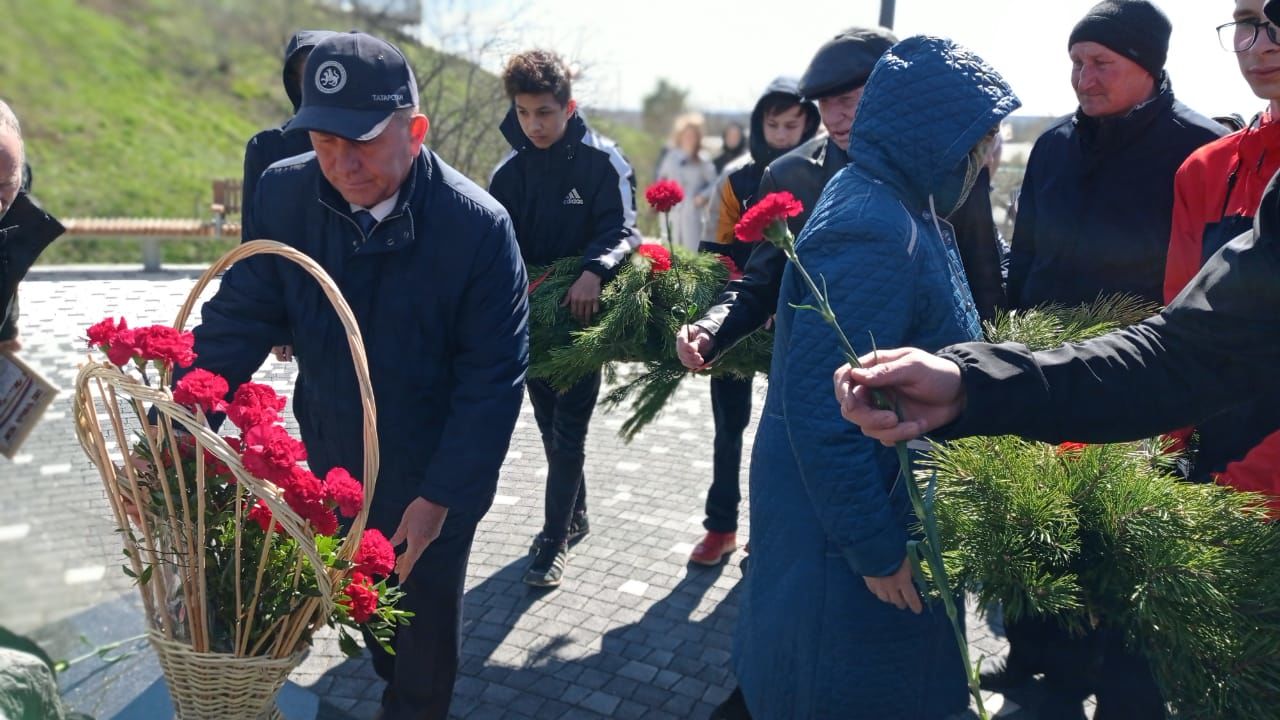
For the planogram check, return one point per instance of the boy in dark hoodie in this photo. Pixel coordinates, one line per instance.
(273, 144)
(570, 193)
(781, 121)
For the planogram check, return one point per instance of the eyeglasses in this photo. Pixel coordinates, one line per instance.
(1240, 36)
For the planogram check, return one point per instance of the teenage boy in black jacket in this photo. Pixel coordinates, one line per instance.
(570, 192)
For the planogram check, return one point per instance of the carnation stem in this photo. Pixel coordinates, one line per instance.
(929, 548)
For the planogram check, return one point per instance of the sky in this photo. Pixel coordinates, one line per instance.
(725, 52)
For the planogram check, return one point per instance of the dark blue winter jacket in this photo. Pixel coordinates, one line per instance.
(439, 292)
(827, 505)
(1096, 205)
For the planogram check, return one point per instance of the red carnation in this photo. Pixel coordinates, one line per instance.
(362, 598)
(375, 556)
(322, 519)
(659, 257)
(104, 332)
(270, 453)
(345, 491)
(731, 266)
(123, 347)
(254, 404)
(165, 344)
(302, 488)
(305, 495)
(1070, 449)
(203, 389)
(664, 195)
(774, 207)
(261, 514)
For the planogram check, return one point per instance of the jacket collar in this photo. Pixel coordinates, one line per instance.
(1105, 134)
(573, 134)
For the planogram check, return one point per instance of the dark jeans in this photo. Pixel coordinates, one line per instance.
(420, 675)
(563, 419)
(731, 409)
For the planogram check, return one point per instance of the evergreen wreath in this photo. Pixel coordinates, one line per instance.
(641, 310)
(1106, 536)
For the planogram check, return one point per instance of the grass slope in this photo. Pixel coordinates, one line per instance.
(125, 107)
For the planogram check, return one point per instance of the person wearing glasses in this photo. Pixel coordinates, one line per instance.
(1216, 195)
(1094, 213)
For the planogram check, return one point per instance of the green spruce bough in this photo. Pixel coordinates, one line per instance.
(641, 310)
(1105, 537)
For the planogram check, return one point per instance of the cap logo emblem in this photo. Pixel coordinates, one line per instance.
(330, 77)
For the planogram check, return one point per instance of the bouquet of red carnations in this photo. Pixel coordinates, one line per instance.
(237, 548)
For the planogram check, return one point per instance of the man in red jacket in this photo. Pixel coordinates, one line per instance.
(1216, 195)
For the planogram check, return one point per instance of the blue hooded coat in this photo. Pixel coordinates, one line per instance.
(827, 507)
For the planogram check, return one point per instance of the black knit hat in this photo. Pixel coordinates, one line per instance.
(1135, 29)
(844, 62)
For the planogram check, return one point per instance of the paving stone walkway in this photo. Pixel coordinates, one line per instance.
(634, 631)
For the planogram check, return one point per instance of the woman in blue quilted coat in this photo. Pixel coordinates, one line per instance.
(829, 519)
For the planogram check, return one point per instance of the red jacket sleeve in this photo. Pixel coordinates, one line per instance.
(1187, 236)
(1258, 471)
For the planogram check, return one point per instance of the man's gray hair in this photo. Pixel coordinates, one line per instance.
(9, 123)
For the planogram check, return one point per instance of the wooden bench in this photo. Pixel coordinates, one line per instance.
(226, 202)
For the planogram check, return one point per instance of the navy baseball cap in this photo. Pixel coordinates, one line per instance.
(352, 84)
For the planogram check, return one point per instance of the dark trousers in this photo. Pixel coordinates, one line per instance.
(1075, 667)
(563, 419)
(731, 410)
(420, 675)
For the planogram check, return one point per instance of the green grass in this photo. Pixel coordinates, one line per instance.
(122, 116)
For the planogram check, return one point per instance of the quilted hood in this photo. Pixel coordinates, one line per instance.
(928, 102)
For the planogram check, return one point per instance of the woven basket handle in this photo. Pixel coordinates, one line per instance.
(354, 341)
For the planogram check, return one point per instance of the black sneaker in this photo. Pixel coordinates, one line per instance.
(547, 567)
(578, 529)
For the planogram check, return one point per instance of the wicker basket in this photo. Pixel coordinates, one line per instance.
(167, 547)
(216, 686)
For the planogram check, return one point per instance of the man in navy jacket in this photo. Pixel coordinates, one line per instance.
(570, 194)
(429, 265)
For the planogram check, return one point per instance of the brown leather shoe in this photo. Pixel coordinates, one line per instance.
(713, 548)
